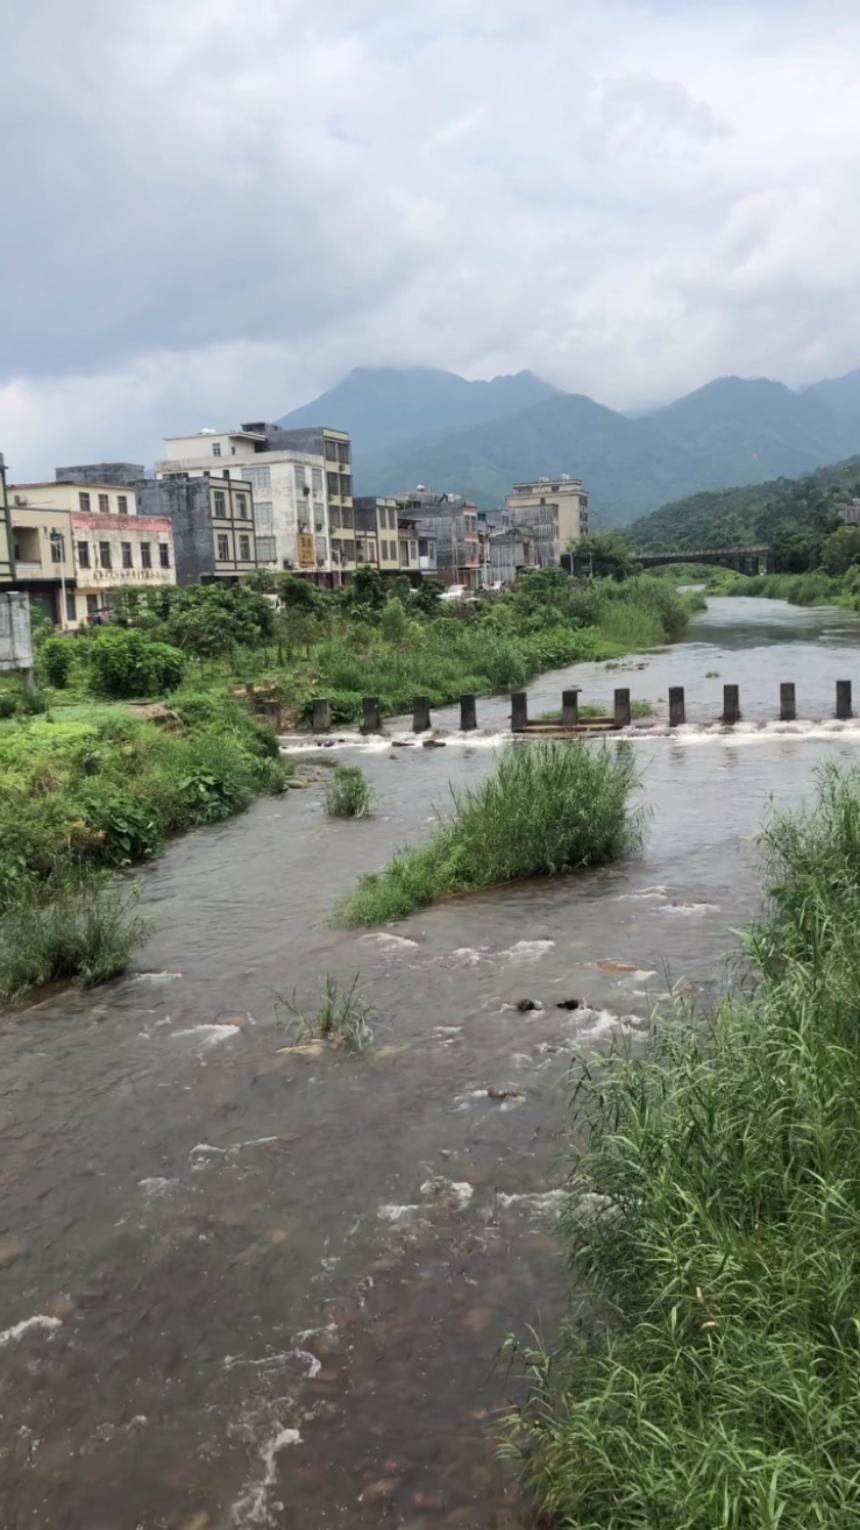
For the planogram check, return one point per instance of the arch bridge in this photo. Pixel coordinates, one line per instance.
(744, 560)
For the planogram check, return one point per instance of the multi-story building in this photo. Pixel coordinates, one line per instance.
(407, 542)
(6, 565)
(79, 540)
(302, 489)
(214, 533)
(452, 522)
(556, 512)
(377, 533)
(512, 549)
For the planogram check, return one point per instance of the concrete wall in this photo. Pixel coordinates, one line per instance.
(101, 472)
(186, 502)
(66, 496)
(16, 647)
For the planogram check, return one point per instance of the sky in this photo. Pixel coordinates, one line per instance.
(212, 211)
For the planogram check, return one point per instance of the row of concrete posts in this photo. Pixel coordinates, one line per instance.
(620, 716)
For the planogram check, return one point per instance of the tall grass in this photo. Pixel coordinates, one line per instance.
(86, 931)
(548, 808)
(712, 1377)
(348, 794)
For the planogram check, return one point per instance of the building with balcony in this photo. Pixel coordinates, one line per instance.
(5, 528)
(407, 545)
(79, 540)
(554, 510)
(377, 537)
(302, 488)
(452, 522)
(212, 519)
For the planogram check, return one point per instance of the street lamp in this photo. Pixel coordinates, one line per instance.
(58, 555)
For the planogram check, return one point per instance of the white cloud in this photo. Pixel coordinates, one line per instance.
(215, 212)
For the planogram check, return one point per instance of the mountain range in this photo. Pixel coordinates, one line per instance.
(421, 425)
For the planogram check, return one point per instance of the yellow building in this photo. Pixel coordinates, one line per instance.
(76, 544)
(553, 510)
(377, 534)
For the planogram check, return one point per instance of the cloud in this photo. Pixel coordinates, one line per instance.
(211, 212)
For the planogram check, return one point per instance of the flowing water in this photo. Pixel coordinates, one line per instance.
(247, 1286)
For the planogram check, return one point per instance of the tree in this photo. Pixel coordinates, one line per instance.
(603, 555)
(366, 594)
(427, 596)
(841, 550)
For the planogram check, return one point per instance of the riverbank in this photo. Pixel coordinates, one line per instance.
(714, 1219)
(85, 796)
(816, 588)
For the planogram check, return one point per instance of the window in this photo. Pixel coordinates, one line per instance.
(333, 483)
(92, 605)
(319, 518)
(104, 554)
(71, 606)
(104, 504)
(258, 477)
(266, 551)
(223, 542)
(331, 451)
(345, 485)
(334, 518)
(241, 507)
(127, 560)
(58, 547)
(164, 554)
(347, 518)
(145, 555)
(226, 473)
(413, 552)
(263, 518)
(83, 555)
(220, 503)
(84, 503)
(343, 452)
(216, 448)
(122, 502)
(316, 479)
(244, 548)
(300, 480)
(347, 551)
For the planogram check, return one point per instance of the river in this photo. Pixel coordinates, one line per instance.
(243, 1286)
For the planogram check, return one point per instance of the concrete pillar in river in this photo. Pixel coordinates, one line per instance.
(622, 709)
(321, 721)
(468, 713)
(421, 714)
(371, 721)
(843, 699)
(787, 702)
(570, 708)
(731, 704)
(519, 711)
(677, 706)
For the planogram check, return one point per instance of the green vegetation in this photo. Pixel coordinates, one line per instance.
(710, 1376)
(87, 931)
(348, 794)
(103, 790)
(589, 710)
(344, 1017)
(548, 809)
(793, 515)
(124, 662)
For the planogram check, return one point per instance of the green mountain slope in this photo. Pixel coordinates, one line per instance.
(730, 432)
(381, 405)
(738, 517)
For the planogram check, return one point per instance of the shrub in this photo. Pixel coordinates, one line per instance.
(124, 825)
(124, 662)
(549, 808)
(87, 931)
(348, 794)
(55, 657)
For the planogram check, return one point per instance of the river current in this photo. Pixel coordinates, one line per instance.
(247, 1286)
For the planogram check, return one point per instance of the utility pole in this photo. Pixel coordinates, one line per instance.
(58, 546)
